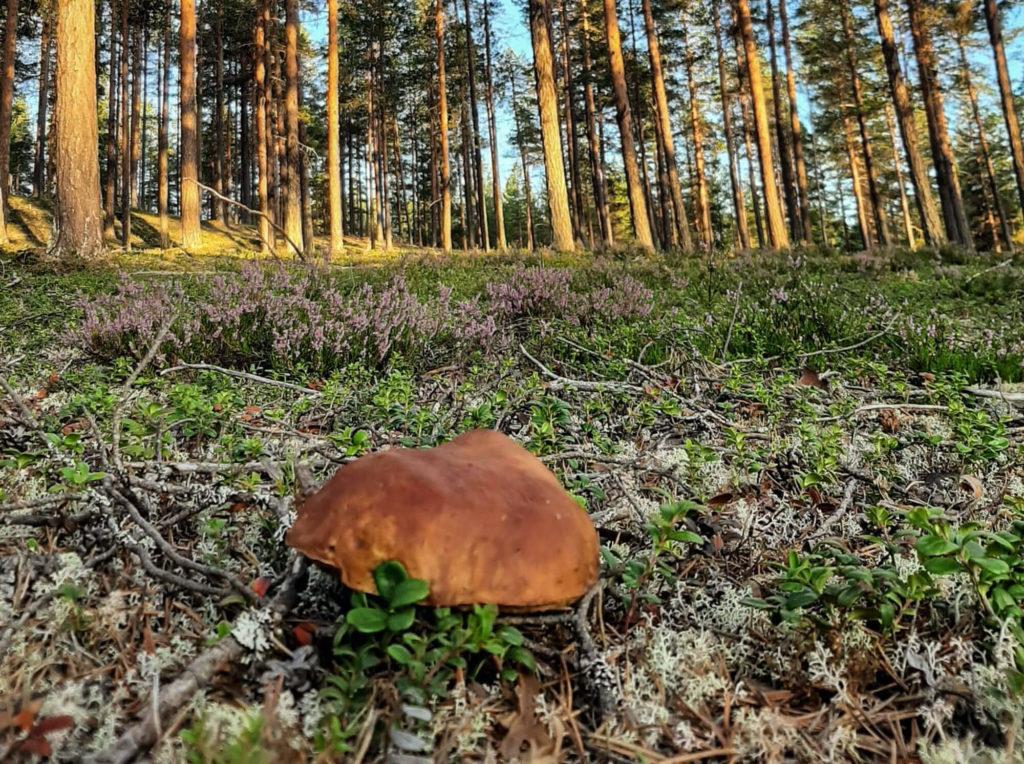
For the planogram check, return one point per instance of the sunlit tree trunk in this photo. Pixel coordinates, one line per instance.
(739, 205)
(547, 100)
(637, 200)
(951, 201)
(113, 104)
(127, 121)
(337, 247)
(795, 129)
(293, 190)
(789, 191)
(597, 177)
(777, 236)
(481, 205)
(931, 225)
(43, 103)
(163, 183)
(986, 158)
(863, 219)
(995, 35)
(77, 217)
(908, 224)
(571, 146)
(260, 110)
(7, 95)
(499, 214)
(702, 199)
(191, 237)
(442, 97)
(874, 194)
(219, 174)
(682, 227)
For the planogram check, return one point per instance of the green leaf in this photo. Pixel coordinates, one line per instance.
(992, 566)
(400, 655)
(801, 599)
(368, 620)
(401, 620)
(408, 592)
(934, 546)
(523, 657)
(941, 566)
(510, 636)
(388, 576)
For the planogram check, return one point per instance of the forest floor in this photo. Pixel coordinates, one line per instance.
(807, 474)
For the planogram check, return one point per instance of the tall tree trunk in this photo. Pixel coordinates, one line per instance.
(140, 183)
(554, 170)
(219, 184)
(931, 225)
(39, 167)
(986, 158)
(951, 201)
(293, 197)
(570, 124)
(481, 204)
(637, 200)
(874, 194)
(908, 223)
(260, 77)
(795, 129)
(7, 95)
(113, 103)
(702, 198)
(191, 236)
(499, 215)
(739, 206)
(863, 218)
(995, 36)
(789, 190)
(337, 246)
(442, 97)
(744, 98)
(305, 202)
(162, 134)
(136, 146)
(77, 218)
(668, 149)
(597, 176)
(777, 236)
(127, 134)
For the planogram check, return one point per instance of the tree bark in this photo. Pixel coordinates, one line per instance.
(668, 149)
(744, 98)
(702, 198)
(637, 200)
(499, 215)
(337, 246)
(863, 219)
(481, 204)
(950, 198)
(597, 176)
(191, 236)
(931, 225)
(262, 155)
(77, 218)
(127, 132)
(874, 195)
(986, 157)
(442, 97)
(293, 195)
(113, 104)
(7, 95)
(908, 224)
(795, 129)
(789, 190)
(777, 236)
(995, 36)
(162, 135)
(45, 43)
(219, 208)
(554, 170)
(739, 206)
(570, 124)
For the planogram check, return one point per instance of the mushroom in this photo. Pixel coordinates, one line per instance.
(480, 519)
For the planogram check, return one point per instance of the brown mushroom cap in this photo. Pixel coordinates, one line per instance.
(480, 519)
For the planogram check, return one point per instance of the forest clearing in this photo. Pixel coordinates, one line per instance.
(563, 381)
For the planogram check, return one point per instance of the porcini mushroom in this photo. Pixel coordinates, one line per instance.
(480, 519)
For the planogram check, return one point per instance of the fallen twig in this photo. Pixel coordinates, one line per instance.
(581, 384)
(242, 375)
(592, 663)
